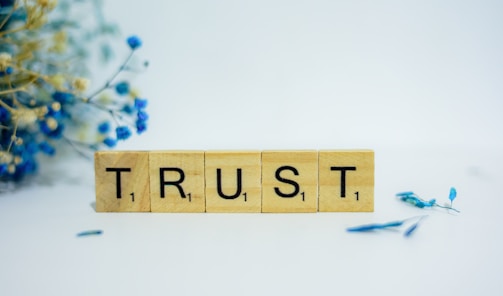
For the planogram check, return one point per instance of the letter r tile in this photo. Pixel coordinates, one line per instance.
(177, 181)
(122, 181)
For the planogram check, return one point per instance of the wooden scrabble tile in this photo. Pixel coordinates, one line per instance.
(346, 181)
(233, 181)
(122, 181)
(289, 181)
(177, 181)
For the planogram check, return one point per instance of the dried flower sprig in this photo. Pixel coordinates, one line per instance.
(44, 99)
(389, 225)
(413, 199)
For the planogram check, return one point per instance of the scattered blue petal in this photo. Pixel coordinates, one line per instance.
(90, 233)
(452, 194)
(410, 230)
(371, 227)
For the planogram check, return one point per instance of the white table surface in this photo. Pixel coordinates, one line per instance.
(420, 83)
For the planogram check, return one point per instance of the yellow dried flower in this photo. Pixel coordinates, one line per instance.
(60, 44)
(5, 157)
(18, 160)
(5, 60)
(51, 123)
(47, 4)
(58, 81)
(80, 84)
(56, 106)
(24, 117)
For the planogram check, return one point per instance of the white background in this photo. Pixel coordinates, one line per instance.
(417, 81)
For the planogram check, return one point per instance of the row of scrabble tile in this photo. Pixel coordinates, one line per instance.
(235, 181)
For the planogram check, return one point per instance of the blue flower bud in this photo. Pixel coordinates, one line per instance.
(142, 116)
(63, 97)
(140, 104)
(123, 132)
(47, 148)
(122, 88)
(109, 142)
(134, 42)
(104, 127)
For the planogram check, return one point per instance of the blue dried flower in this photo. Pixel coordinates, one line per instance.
(109, 142)
(140, 104)
(47, 148)
(142, 116)
(63, 97)
(4, 114)
(7, 71)
(104, 127)
(128, 109)
(141, 126)
(134, 42)
(123, 132)
(53, 96)
(122, 88)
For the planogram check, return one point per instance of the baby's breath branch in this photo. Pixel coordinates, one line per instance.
(6, 106)
(79, 146)
(109, 81)
(13, 137)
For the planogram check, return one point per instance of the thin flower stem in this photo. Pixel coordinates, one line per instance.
(13, 137)
(8, 16)
(109, 81)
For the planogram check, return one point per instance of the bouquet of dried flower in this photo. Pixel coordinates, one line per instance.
(45, 98)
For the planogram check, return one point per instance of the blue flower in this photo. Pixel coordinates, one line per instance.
(123, 132)
(128, 109)
(63, 97)
(134, 42)
(47, 148)
(122, 88)
(141, 126)
(142, 116)
(3, 168)
(7, 71)
(140, 104)
(51, 132)
(4, 114)
(109, 142)
(104, 127)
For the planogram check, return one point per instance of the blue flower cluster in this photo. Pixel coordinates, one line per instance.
(40, 126)
(44, 102)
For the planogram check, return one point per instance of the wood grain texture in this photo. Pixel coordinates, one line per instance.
(122, 181)
(358, 193)
(177, 181)
(281, 170)
(223, 171)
